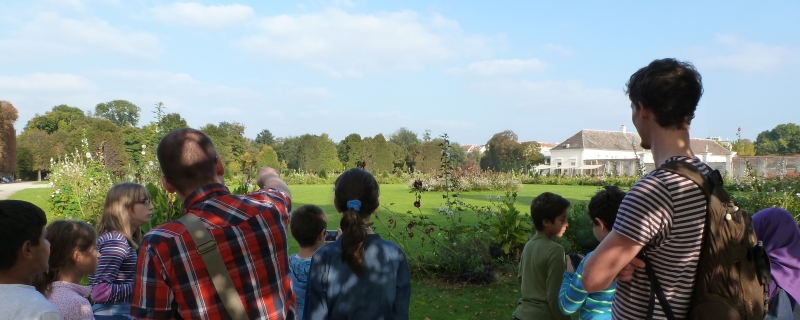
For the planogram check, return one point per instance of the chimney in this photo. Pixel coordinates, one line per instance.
(622, 128)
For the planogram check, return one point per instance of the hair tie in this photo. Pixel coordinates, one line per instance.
(354, 204)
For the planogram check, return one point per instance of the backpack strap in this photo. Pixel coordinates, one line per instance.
(220, 277)
(655, 291)
(690, 172)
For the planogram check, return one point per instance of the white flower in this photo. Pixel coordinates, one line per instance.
(150, 163)
(798, 194)
(441, 208)
(440, 234)
(144, 146)
(58, 191)
(143, 153)
(89, 155)
(91, 179)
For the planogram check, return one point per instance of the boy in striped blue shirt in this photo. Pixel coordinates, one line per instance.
(573, 297)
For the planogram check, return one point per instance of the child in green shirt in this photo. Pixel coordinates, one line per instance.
(543, 263)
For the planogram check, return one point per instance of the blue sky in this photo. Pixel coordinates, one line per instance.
(467, 68)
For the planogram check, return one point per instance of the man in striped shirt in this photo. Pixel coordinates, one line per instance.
(664, 213)
(250, 232)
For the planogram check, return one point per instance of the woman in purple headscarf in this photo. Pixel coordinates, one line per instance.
(779, 232)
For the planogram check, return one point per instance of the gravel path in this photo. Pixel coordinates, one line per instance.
(7, 189)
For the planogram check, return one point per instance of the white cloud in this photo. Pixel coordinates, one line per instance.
(48, 34)
(494, 68)
(45, 83)
(70, 4)
(339, 44)
(734, 53)
(191, 14)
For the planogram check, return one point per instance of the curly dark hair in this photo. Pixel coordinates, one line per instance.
(605, 204)
(547, 206)
(669, 88)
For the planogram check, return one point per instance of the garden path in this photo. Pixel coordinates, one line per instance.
(7, 189)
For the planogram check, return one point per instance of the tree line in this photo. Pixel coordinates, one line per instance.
(113, 128)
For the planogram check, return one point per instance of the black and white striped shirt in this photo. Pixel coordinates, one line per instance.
(665, 213)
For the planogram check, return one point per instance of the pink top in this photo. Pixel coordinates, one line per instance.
(70, 300)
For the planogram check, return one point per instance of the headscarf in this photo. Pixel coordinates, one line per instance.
(779, 232)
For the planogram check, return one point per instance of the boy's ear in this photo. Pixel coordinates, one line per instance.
(600, 223)
(321, 235)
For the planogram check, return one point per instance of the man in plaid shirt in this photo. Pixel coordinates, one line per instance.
(251, 233)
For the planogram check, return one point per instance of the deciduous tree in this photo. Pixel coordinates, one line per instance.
(121, 112)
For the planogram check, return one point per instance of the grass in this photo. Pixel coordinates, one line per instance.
(37, 196)
(430, 298)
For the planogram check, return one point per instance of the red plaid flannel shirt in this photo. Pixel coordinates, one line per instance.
(251, 234)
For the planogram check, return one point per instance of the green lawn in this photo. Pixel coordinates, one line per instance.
(37, 196)
(430, 298)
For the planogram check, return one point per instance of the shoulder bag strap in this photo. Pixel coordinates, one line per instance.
(220, 277)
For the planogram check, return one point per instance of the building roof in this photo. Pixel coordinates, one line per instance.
(617, 140)
(600, 139)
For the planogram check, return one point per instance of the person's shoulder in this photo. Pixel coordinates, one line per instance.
(391, 246)
(111, 236)
(165, 232)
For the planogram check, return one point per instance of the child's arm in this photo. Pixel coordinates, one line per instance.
(572, 294)
(556, 267)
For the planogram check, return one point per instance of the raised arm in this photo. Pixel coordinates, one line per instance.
(271, 178)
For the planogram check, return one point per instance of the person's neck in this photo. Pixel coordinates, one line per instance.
(308, 252)
(545, 234)
(71, 275)
(16, 275)
(668, 143)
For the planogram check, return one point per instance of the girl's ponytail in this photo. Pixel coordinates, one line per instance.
(356, 196)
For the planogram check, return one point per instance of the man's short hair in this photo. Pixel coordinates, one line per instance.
(20, 221)
(547, 207)
(605, 204)
(306, 223)
(669, 88)
(187, 158)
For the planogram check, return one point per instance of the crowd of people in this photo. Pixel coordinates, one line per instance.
(227, 257)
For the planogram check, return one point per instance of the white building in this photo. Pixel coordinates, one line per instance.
(615, 152)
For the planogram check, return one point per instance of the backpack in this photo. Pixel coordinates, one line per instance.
(733, 276)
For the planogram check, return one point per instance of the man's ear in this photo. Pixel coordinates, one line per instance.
(220, 169)
(644, 112)
(322, 235)
(169, 187)
(26, 251)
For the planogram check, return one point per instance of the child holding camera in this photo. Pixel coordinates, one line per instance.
(308, 224)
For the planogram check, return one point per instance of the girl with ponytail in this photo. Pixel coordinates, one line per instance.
(72, 256)
(360, 275)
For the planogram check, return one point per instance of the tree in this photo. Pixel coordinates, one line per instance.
(744, 148)
(503, 153)
(532, 154)
(288, 150)
(378, 155)
(268, 157)
(351, 150)
(59, 117)
(408, 140)
(173, 121)
(317, 153)
(8, 137)
(265, 137)
(784, 139)
(37, 147)
(121, 112)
